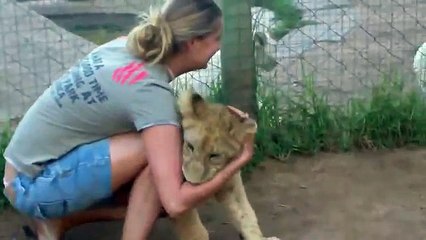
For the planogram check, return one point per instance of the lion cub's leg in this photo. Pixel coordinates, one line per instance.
(188, 226)
(233, 197)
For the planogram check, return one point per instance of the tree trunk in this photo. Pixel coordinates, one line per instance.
(237, 57)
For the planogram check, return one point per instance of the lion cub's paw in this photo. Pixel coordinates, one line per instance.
(271, 238)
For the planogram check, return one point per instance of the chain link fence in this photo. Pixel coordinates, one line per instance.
(347, 45)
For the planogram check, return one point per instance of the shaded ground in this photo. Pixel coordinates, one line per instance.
(369, 196)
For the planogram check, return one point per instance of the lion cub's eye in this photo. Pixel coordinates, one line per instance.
(215, 158)
(190, 146)
(214, 155)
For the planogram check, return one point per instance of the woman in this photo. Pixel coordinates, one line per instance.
(111, 120)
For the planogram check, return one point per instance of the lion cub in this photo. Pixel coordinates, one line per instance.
(213, 137)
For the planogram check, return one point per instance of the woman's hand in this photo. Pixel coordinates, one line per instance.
(248, 149)
(162, 145)
(238, 112)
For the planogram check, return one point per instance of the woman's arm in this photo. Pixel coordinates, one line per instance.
(153, 110)
(163, 149)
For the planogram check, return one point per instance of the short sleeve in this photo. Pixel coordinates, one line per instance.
(153, 103)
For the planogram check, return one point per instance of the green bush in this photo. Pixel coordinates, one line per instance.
(287, 16)
(4, 140)
(392, 116)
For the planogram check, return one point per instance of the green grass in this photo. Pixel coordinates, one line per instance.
(391, 116)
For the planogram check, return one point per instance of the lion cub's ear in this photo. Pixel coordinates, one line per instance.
(192, 104)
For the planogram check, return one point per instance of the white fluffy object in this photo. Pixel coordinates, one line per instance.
(419, 66)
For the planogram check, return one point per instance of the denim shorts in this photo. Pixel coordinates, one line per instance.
(76, 181)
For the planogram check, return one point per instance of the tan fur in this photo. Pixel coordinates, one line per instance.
(213, 136)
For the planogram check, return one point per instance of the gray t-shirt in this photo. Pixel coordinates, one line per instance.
(107, 92)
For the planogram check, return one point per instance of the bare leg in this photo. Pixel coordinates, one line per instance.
(55, 229)
(113, 212)
(127, 163)
(117, 211)
(143, 209)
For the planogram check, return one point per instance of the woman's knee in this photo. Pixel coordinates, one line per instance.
(8, 179)
(8, 191)
(127, 158)
(15, 194)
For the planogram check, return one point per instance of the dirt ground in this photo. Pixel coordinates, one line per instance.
(369, 196)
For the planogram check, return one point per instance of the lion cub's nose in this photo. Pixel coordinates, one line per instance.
(193, 171)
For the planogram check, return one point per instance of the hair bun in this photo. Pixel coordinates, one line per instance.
(150, 32)
(152, 39)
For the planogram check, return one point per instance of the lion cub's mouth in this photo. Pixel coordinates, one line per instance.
(183, 174)
(189, 180)
(185, 178)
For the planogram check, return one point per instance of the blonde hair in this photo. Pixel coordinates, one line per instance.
(161, 32)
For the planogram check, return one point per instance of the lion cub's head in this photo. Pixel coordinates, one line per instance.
(213, 136)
